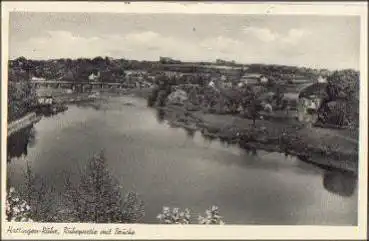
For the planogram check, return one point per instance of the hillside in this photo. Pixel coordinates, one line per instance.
(113, 70)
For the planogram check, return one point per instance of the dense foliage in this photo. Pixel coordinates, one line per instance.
(341, 100)
(343, 85)
(251, 103)
(177, 216)
(35, 190)
(71, 70)
(174, 216)
(93, 195)
(113, 70)
(97, 197)
(212, 216)
(21, 98)
(17, 209)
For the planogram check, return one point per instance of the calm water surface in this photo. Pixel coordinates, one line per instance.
(171, 167)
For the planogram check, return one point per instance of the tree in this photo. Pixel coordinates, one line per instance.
(174, 216)
(98, 197)
(251, 103)
(38, 194)
(133, 208)
(161, 92)
(340, 106)
(21, 95)
(178, 216)
(278, 97)
(335, 112)
(342, 84)
(151, 100)
(212, 216)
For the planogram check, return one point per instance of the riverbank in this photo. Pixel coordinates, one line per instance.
(323, 147)
(327, 148)
(167, 167)
(22, 123)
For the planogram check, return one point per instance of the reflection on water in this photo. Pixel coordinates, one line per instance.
(190, 132)
(335, 181)
(19, 142)
(186, 168)
(339, 182)
(160, 114)
(89, 104)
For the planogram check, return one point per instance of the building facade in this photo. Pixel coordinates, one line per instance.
(309, 102)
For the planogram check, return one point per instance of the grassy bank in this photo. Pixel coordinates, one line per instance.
(329, 148)
(324, 147)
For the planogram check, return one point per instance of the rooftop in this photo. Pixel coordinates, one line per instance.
(317, 89)
(252, 75)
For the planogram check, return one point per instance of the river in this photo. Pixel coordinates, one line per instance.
(172, 167)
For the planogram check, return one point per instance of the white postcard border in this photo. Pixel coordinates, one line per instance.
(143, 231)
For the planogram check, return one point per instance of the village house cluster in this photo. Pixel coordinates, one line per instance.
(187, 78)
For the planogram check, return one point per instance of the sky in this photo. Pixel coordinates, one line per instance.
(331, 42)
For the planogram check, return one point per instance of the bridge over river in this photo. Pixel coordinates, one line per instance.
(76, 85)
(296, 88)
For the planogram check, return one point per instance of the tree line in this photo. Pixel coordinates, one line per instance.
(112, 70)
(340, 102)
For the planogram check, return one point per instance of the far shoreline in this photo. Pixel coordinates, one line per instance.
(291, 140)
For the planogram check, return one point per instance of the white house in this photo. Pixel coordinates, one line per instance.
(45, 100)
(249, 81)
(173, 73)
(212, 84)
(263, 79)
(178, 97)
(37, 79)
(93, 77)
(268, 107)
(321, 79)
(135, 72)
(310, 99)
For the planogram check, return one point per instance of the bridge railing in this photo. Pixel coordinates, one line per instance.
(72, 82)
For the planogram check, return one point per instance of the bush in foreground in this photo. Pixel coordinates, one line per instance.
(17, 209)
(177, 216)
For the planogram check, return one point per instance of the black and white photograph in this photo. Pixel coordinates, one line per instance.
(183, 119)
